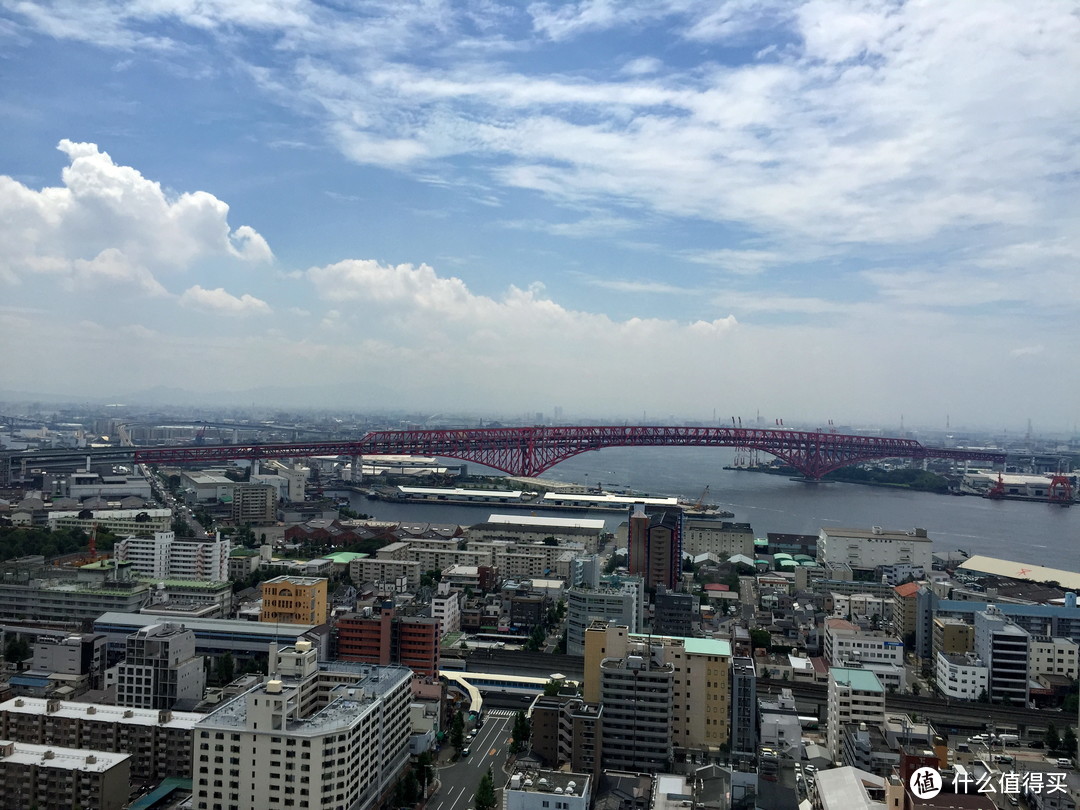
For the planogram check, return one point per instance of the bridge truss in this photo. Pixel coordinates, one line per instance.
(529, 451)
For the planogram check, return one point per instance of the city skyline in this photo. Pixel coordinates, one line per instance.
(828, 209)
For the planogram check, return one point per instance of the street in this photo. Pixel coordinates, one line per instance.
(489, 749)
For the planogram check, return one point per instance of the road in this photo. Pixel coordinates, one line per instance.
(490, 749)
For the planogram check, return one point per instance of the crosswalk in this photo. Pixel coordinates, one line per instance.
(500, 712)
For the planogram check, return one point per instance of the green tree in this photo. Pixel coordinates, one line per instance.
(916, 688)
(425, 771)
(226, 669)
(1068, 742)
(519, 736)
(457, 731)
(761, 638)
(551, 541)
(485, 793)
(16, 650)
(984, 696)
(537, 637)
(1051, 739)
(552, 687)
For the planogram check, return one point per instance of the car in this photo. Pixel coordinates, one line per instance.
(1036, 744)
(465, 752)
(1064, 762)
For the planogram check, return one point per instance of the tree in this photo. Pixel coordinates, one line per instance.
(535, 642)
(1051, 739)
(1068, 742)
(519, 736)
(457, 731)
(425, 771)
(16, 650)
(552, 687)
(485, 793)
(551, 541)
(916, 688)
(226, 669)
(984, 696)
(761, 638)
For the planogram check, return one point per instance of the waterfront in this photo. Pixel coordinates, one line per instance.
(1028, 532)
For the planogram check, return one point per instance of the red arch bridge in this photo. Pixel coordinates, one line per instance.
(529, 451)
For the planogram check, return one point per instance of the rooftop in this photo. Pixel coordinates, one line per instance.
(542, 781)
(1015, 570)
(271, 630)
(707, 646)
(913, 535)
(608, 498)
(50, 756)
(553, 522)
(101, 712)
(860, 679)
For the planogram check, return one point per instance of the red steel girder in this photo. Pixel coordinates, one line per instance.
(532, 450)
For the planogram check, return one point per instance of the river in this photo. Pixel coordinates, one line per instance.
(1027, 532)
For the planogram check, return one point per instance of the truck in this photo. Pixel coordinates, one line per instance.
(1008, 739)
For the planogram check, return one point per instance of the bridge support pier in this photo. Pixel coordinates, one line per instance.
(356, 474)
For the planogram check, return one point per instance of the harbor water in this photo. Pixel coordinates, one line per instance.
(1028, 532)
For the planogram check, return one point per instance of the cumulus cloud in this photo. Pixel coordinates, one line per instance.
(108, 224)
(218, 300)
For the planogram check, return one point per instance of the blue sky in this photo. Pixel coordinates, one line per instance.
(824, 210)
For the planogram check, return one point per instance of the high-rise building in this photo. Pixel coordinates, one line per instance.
(1005, 648)
(620, 601)
(254, 503)
(79, 660)
(675, 613)
(290, 742)
(701, 697)
(383, 637)
(744, 708)
(654, 545)
(164, 556)
(160, 668)
(637, 693)
(855, 696)
(296, 600)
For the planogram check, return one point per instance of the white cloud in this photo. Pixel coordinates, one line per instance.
(107, 224)
(218, 300)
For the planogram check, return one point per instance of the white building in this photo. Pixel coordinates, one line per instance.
(164, 556)
(160, 668)
(709, 535)
(446, 607)
(869, 548)
(299, 741)
(1053, 655)
(845, 644)
(855, 696)
(117, 521)
(621, 605)
(1004, 647)
(961, 676)
(547, 790)
(83, 484)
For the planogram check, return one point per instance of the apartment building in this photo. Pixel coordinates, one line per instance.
(637, 693)
(297, 600)
(160, 669)
(701, 696)
(381, 636)
(1053, 655)
(654, 545)
(961, 675)
(46, 776)
(78, 659)
(1005, 649)
(854, 696)
(285, 744)
(164, 556)
(159, 742)
(622, 603)
(952, 636)
(566, 731)
(744, 708)
(254, 503)
(529, 789)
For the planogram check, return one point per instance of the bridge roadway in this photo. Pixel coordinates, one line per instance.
(948, 716)
(530, 451)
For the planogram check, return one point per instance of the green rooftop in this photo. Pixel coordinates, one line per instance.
(862, 679)
(707, 646)
(345, 557)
